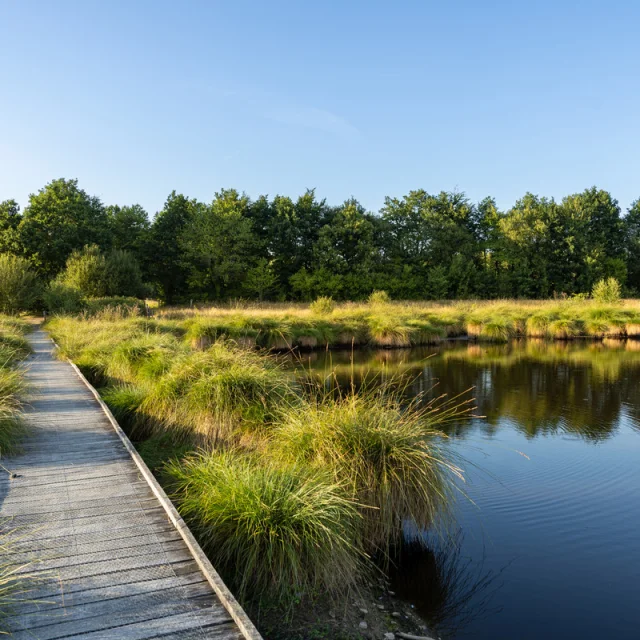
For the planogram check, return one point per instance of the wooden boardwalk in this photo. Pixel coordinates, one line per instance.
(113, 559)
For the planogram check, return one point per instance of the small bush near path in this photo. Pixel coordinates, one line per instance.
(19, 284)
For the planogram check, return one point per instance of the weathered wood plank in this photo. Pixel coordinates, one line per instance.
(53, 588)
(204, 619)
(74, 599)
(59, 623)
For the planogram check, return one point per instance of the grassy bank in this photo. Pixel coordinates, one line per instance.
(14, 580)
(292, 495)
(395, 324)
(13, 348)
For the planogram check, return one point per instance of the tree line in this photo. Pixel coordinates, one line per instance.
(418, 246)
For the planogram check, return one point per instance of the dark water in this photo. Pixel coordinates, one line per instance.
(550, 546)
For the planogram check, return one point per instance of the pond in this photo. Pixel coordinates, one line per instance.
(546, 541)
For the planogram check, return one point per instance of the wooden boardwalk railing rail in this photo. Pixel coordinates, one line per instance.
(115, 558)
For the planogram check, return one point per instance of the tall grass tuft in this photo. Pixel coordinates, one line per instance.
(323, 305)
(12, 428)
(387, 331)
(19, 578)
(276, 531)
(497, 330)
(219, 392)
(565, 328)
(379, 298)
(388, 455)
(539, 325)
(13, 348)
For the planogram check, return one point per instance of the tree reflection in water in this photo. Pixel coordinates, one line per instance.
(577, 387)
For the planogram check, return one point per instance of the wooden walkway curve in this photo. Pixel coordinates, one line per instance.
(116, 560)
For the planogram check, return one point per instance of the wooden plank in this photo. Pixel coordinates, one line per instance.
(100, 614)
(205, 620)
(118, 538)
(77, 598)
(218, 632)
(54, 588)
(71, 560)
(104, 615)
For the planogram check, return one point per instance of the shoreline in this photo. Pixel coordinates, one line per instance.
(282, 327)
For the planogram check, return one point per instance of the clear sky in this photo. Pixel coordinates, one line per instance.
(359, 98)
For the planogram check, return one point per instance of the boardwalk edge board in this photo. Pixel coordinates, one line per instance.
(227, 599)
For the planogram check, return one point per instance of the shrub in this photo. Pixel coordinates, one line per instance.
(95, 275)
(86, 271)
(323, 305)
(19, 285)
(379, 297)
(607, 290)
(61, 298)
(123, 275)
(276, 531)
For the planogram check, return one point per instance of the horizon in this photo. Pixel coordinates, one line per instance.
(359, 100)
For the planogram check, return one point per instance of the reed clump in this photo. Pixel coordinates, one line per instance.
(13, 348)
(389, 456)
(219, 392)
(275, 530)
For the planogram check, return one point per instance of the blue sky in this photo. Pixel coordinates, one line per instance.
(357, 98)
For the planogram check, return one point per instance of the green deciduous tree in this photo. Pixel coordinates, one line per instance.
(346, 252)
(10, 219)
(219, 246)
(167, 267)
(129, 227)
(632, 246)
(261, 280)
(58, 220)
(439, 246)
(123, 275)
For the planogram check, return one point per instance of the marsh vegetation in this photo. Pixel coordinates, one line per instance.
(300, 467)
(293, 495)
(382, 323)
(15, 578)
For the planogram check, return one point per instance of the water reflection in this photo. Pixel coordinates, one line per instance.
(542, 388)
(550, 546)
(450, 589)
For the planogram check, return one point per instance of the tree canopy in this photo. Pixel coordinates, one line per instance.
(420, 245)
